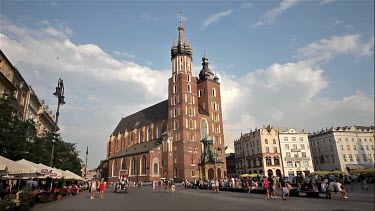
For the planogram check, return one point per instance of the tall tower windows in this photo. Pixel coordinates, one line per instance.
(190, 111)
(188, 88)
(175, 124)
(175, 112)
(189, 99)
(188, 76)
(174, 78)
(181, 63)
(200, 94)
(214, 92)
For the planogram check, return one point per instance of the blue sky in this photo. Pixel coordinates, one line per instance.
(302, 64)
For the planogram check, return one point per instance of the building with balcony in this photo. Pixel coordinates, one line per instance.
(259, 152)
(295, 152)
(26, 102)
(343, 148)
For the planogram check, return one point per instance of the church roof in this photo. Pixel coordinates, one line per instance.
(138, 148)
(144, 117)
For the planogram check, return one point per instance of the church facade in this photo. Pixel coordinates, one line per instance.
(181, 137)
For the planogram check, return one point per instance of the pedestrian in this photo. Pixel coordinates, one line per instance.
(153, 185)
(93, 188)
(274, 186)
(102, 188)
(266, 186)
(173, 186)
(284, 189)
(217, 184)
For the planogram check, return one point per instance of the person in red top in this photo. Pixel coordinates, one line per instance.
(101, 187)
(266, 185)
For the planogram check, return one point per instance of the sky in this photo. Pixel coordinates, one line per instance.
(300, 64)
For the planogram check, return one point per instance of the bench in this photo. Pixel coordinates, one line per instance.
(336, 196)
(313, 194)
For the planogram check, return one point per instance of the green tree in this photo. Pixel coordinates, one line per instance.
(16, 135)
(18, 140)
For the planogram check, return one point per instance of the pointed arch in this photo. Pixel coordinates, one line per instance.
(114, 168)
(143, 165)
(123, 164)
(132, 166)
(204, 128)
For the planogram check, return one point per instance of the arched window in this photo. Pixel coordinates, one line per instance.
(114, 169)
(123, 143)
(148, 134)
(175, 112)
(268, 161)
(298, 164)
(214, 92)
(192, 137)
(132, 166)
(123, 164)
(188, 77)
(157, 132)
(156, 168)
(190, 111)
(188, 88)
(131, 137)
(140, 136)
(289, 164)
(175, 125)
(143, 165)
(204, 128)
(190, 123)
(276, 160)
(175, 88)
(116, 145)
(174, 78)
(200, 94)
(189, 99)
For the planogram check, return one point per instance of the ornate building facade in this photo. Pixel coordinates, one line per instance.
(181, 137)
(259, 152)
(343, 148)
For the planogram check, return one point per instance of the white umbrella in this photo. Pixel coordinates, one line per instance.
(68, 175)
(17, 168)
(3, 169)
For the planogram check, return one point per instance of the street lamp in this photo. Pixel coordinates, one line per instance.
(87, 152)
(60, 101)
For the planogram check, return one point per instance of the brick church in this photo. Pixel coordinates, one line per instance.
(181, 137)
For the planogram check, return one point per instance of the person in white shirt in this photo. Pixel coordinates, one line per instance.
(340, 188)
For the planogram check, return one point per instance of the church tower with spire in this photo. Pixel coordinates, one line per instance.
(193, 114)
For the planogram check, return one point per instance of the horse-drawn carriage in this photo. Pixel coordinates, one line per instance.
(122, 184)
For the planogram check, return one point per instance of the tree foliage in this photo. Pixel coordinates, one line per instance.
(19, 140)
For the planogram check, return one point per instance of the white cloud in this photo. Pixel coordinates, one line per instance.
(215, 17)
(325, 49)
(98, 88)
(326, 2)
(54, 4)
(246, 5)
(148, 17)
(127, 55)
(271, 15)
